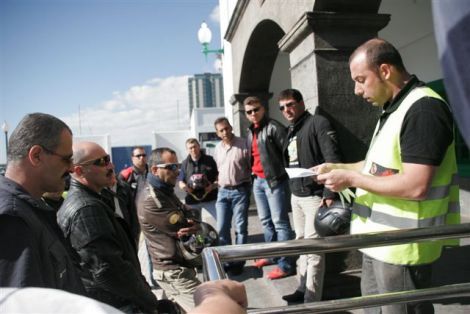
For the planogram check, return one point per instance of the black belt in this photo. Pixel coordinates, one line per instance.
(234, 187)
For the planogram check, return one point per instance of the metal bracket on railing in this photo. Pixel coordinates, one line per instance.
(211, 265)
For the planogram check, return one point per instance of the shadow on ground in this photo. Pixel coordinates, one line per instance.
(453, 267)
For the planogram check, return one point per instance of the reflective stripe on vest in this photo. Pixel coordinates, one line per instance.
(372, 212)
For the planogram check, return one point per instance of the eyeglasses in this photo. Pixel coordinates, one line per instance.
(172, 167)
(67, 159)
(254, 110)
(100, 162)
(140, 155)
(288, 105)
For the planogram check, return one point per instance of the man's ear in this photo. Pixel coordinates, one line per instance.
(154, 170)
(385, 71)
(34, 155)
(78, 170)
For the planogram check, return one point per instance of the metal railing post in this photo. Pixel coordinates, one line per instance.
(212, 266)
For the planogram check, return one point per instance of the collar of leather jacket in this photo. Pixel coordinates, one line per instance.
(76, 184)
(262, 124)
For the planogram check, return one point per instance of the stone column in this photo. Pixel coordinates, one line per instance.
(319, 45)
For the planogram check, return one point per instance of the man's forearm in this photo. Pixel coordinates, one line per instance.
(215, 303)
(218, 296)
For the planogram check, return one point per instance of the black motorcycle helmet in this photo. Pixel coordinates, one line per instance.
(192, 245)
(198, 181)
(333, 220)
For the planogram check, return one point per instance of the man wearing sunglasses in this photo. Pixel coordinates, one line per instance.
(105, 250)
(165, 220)
(33, 252)
(310, 141)
(266, 138)
(136, 175)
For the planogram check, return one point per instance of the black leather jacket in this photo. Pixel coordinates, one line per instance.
(270, 139)
(134, 178)
(108, 261)
(316, 144)
(205, 165)
(33, 251)
(124, 195)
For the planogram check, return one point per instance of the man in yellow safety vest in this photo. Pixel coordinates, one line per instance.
(407, 179)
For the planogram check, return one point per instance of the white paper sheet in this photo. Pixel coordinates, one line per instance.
(299, 172)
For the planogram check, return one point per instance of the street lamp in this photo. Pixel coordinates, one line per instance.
(205, 35)
(5, 128)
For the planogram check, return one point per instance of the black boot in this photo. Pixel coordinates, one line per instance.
(297, 296)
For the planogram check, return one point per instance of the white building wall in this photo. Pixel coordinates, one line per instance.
(411, 30)
(174, 140)
(226, 8)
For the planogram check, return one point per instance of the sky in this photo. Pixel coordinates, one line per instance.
(117, 67)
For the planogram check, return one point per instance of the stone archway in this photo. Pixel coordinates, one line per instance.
(317, 37)
(257, 67)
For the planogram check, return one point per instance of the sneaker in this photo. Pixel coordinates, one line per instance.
(260, 263)
(297, 296)
(277, 273)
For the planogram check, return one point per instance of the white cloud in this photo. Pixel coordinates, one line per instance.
(215, 15)
(130, 117)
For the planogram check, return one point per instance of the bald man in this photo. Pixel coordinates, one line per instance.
(105, 251)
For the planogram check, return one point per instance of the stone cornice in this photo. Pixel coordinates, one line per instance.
(237, 15)
(318, 22)
(296, 34)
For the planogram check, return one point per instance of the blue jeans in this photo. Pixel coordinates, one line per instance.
(233, 203)
(272, 212)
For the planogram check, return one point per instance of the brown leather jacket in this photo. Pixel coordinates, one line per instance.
(160, 219)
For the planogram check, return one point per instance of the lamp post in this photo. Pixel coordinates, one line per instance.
(205, 35)
(5, 128)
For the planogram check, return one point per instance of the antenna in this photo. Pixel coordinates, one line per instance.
(79, 121)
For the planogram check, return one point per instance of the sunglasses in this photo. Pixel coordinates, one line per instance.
(140, 155)
(288, 105)
(172, 167)
(254, 110)
(100, 162)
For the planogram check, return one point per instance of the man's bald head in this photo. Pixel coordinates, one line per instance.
(92, 166)
(85, 151)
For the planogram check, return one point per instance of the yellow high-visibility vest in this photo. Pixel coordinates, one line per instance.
(372, 212)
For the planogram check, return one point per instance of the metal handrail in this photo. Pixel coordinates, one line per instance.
(213, 256)
(442, 292)
(213, 269)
